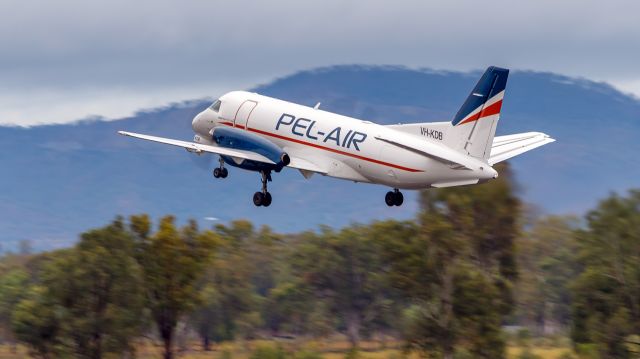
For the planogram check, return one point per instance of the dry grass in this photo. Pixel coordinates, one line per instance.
(329, 350)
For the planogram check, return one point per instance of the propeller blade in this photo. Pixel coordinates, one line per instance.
(203, 161)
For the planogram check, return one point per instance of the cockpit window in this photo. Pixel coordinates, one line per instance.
(215, 106)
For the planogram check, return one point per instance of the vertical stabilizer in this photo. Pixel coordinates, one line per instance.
(474, 125)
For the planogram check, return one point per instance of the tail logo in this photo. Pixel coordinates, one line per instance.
(486, 98)
(490, 108)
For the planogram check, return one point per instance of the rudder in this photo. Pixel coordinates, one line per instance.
(474, 126)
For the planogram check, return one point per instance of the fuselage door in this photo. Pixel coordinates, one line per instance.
(243, 114)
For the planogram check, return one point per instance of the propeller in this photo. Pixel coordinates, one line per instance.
(203, 161)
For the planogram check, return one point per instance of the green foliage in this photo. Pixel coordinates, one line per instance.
(305, 354)
(342, 270)
(352, 353)
(462, 353)
(606, 306)
(87, 300)
(523, 336)
(226, 306)
(97, 290)
(547, 256)
(268, 352)
(37, 323)
(172, 263)
(567, 355)
(444, 283)
(587, 351)
(527, 354)
(459, 269)
(12, 291)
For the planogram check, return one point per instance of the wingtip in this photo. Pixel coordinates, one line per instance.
(548, 138)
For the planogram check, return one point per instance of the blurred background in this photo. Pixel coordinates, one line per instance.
(118, 248)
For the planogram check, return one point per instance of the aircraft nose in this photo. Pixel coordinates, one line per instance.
(194, 123)
(199, 123)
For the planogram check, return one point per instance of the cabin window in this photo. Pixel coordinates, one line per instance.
(215, 106)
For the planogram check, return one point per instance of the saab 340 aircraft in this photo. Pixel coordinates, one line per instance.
(263, 134)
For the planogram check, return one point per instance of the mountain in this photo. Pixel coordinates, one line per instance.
(59, 180)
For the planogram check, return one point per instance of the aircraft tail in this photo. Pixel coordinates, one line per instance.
(474, 126)
(472, 131)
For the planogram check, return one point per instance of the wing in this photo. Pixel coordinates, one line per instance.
(505, 147)
(237, 155)
(306, 167)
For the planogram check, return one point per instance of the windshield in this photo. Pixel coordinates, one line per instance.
(215, 106)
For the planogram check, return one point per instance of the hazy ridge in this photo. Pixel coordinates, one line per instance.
(59, 180)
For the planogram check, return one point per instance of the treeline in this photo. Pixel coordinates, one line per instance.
(446, 284)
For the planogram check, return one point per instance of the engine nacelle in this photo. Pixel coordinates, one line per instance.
(242, 140)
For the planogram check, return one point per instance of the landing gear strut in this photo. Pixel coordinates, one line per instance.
(263, 198)
(394, 198)
(220, 172)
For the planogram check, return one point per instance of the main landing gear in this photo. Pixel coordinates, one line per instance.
(220, 172)
(263, 198)
(394, 198)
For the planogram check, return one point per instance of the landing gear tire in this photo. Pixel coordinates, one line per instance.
(220, 172)
(263, 198)
(394, 198)
(399, 199)
(258, 199)
(266, 201)
(389, 199)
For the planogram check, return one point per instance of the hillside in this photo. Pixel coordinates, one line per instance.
(59, 180)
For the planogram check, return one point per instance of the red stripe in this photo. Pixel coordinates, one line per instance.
(232, 125)
(334, 150)
(490, 110)
(326, 148)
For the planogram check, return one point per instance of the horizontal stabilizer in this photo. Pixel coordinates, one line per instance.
(505, 147)
(455, 183)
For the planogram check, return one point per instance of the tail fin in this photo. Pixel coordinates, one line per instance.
(475, 123)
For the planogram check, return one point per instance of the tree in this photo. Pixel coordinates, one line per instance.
(37, 324)
(172, 263)
(460, 267)
(86, 300)
(96, 287)
(342, 269)
(606, 305)
(547, 256)
(13, 288)
(226, 288)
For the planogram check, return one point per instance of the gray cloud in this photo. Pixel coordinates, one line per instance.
(64, 60)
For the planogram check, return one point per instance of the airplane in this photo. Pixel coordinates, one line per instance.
(265, 135)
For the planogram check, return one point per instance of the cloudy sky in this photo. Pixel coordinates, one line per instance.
(65, 60)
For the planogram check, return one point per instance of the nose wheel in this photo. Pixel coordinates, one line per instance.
(394, 198)
(220, 172)
(263, 198)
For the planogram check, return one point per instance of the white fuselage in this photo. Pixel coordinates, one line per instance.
(349, 148)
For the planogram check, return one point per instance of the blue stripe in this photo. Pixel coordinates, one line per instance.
(492, 82)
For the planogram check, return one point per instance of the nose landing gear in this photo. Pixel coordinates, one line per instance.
(394, 198)
(263, 198)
